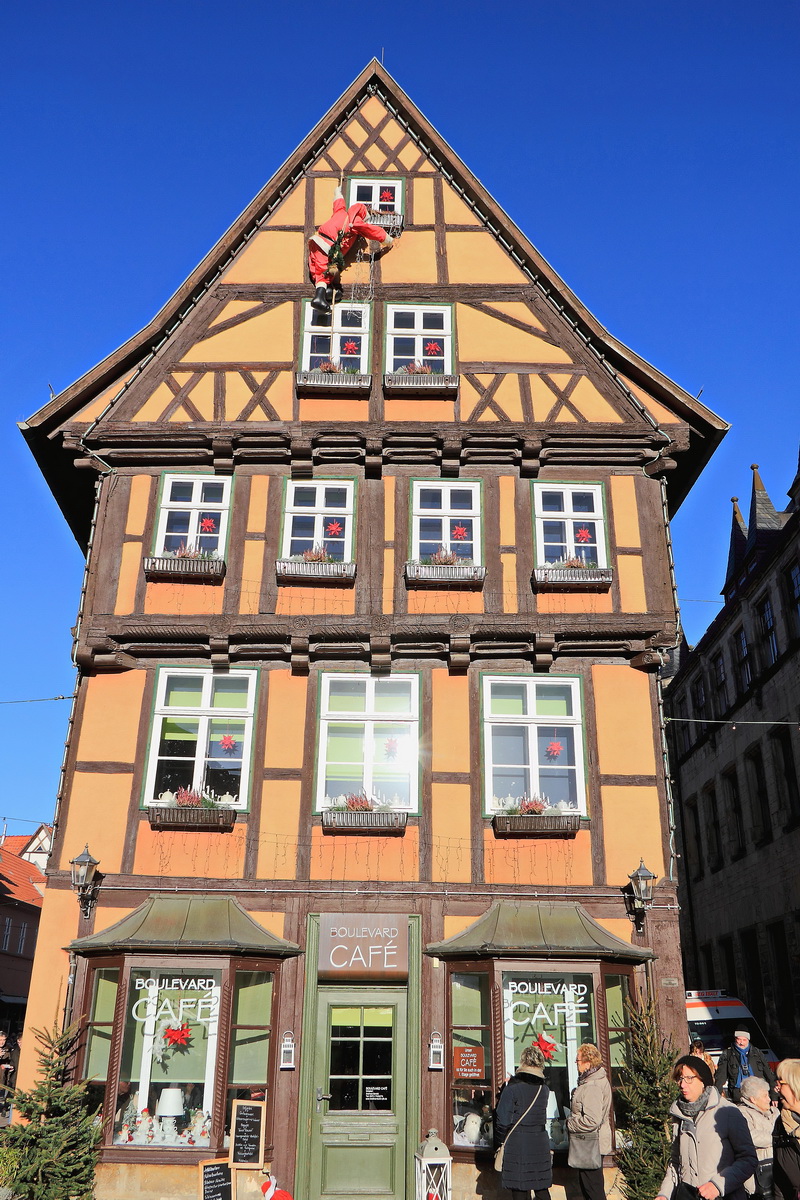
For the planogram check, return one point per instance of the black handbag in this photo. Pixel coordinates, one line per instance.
(763, 1177)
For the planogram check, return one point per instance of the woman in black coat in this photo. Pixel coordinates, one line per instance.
(786, 1138)
(527, 1165)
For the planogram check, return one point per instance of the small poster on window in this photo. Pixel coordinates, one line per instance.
(468, 1062)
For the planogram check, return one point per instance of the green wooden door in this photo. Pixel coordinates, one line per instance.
(358, 1104)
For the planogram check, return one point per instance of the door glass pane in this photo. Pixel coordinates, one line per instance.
(361, 1058)
(249, 1051)
(252, 998)
(470, 999)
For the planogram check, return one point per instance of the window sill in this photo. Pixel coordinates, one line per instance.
(402, 383)
(572, 579)
(323, 381)
(287, 570)
(565, 825)
(392, 222)
(388, 824)
(191, 570)
(212, 820)
(432, 575)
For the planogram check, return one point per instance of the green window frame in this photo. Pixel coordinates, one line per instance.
(340, 338)
(447, 515)
(569, 524)
(420, 334)
(374, 192)
(319, 514)
(193, 516)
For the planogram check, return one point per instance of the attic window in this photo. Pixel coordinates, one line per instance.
(380, 195)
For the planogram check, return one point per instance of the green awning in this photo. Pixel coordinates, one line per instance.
(186, 924)
(537, 929)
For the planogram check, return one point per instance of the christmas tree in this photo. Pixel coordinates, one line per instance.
(53, 1156)
(647, 1091)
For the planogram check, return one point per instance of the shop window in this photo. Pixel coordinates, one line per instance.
(381, 195)
(319, 520)
(368, 743)
(251, 1016)
(471, 1059)
(337, 340)
(616, 989)
(446, 522)
(556, 1008)
(767, 635)
(200, 743)
(533, 744)
(569, 524)
(419, 338)
(193, 516)
(99, 1031)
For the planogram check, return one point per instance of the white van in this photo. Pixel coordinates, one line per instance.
(713, 1018)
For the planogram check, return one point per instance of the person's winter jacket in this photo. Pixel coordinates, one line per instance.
(728, 1070)
(714, 1148)
(526, 1161)
(786, 1141)
(590, 1107)
(761, 1126)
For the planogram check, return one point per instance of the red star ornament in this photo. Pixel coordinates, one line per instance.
(433, 348)
(333, 528)
(227, 742)
(386, 194)
(583, 535)
(350, 348)
(547, 1047)
(179, 1036)
(390, 748)
(554, 749)
(459, 533)
(208, 525)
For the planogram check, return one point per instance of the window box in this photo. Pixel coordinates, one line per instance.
(331, 572)
(330, 381)
(400, 381)
(566, 579)
(564, 825)
(429, 575)
(391, 824)
(214, 820)
(198, 570)
(392, 222)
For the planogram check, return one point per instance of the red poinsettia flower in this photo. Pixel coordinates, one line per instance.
(179, 1036)
(386, 194)
(433, 348)
(554, 749)
(333, 528)
(547, 1047)
(583, 535)
(227, 742)
(208, 525)
(350, 348)
(390, 747)
(459, 532)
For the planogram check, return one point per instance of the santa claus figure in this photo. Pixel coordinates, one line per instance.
(271, 1190)
(329, 245)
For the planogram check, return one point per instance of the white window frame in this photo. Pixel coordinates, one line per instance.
(570, 517)
(338, 333)
(420, 335)
(369, 716)
(532, 722)
(357, 181)
(195, 508)
(23, 932)
(320, 513)
(204, 713)
(448, 514)
(6, 934)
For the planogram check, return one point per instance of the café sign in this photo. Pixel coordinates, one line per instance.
(358, 946)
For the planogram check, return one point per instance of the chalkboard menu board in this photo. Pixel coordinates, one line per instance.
(215, 1180)
(247, 1136)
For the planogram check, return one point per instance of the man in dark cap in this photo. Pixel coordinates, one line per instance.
(740, 1061)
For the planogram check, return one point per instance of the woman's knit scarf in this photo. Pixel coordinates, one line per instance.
(745, 1070)
(693, 1108)
(584, 1075)
(791, 1123)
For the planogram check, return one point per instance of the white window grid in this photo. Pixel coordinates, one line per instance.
(6, 933)
(576, 530)
(454, 526)
(23, 930)
(193, 514)
(341, 337)
(419, 333)
(370, 716)
(381, 195)
(312, 519)
(552, 730)
(204, 714)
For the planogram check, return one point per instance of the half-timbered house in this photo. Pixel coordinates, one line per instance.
(367, 739)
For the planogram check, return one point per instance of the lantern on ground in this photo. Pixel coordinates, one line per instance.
(434, 1169)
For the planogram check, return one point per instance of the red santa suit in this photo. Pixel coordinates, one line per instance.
(352, 221)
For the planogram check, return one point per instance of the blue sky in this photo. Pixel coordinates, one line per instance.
(649, 150)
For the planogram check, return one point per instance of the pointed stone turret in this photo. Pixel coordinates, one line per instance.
(738, 546)
(765, 522)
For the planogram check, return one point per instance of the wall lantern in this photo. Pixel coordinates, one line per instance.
(639, 893)
(85, 881)
(436, 1052)
(434, 1169)
(287, 1051)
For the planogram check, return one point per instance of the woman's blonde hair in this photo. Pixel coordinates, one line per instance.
(590, 1054)
(532, 1057)
(789, 1070)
